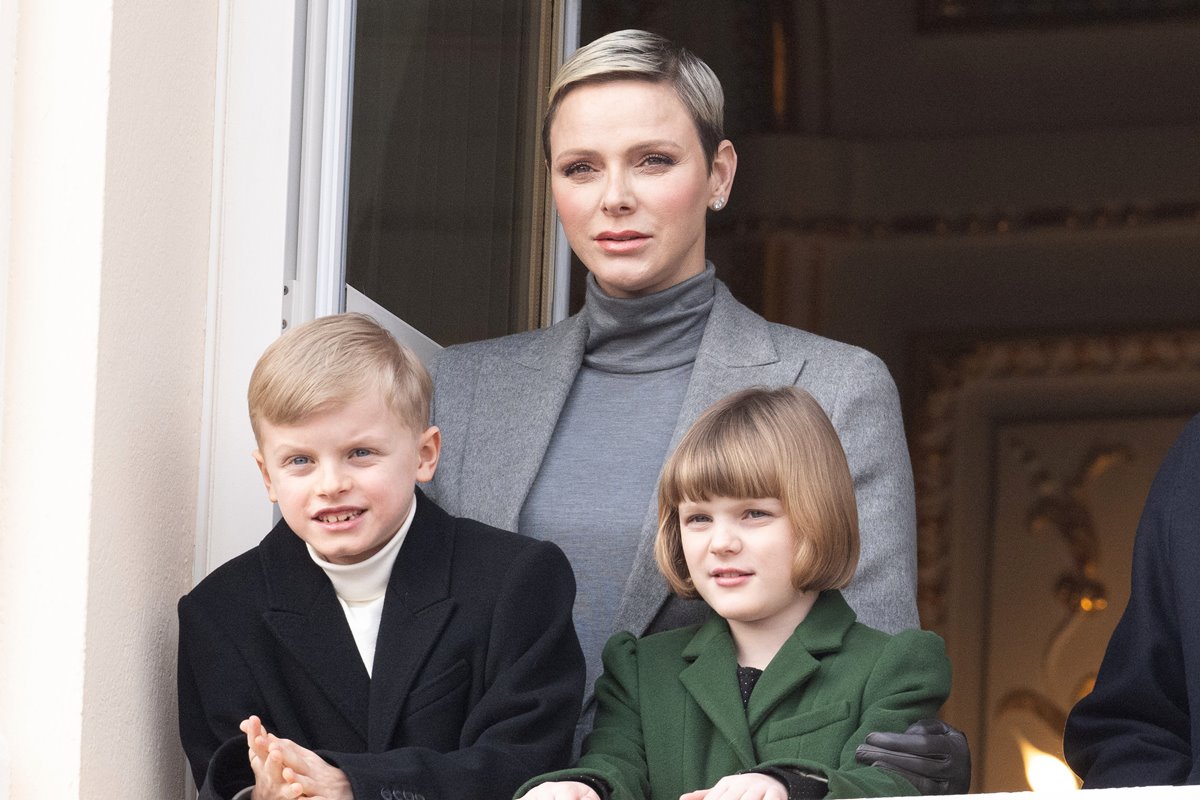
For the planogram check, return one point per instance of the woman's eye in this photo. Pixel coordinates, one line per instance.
(658, 160)
(578, 168)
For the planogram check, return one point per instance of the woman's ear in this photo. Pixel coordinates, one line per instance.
(720, 179)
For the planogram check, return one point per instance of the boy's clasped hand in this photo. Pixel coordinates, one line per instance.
(283, 770)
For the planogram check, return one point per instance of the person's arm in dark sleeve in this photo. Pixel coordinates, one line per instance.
(1135, 728)
(215, 691)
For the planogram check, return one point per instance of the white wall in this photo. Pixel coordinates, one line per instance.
(111, 152)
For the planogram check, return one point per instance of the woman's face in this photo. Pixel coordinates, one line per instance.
(632, 185)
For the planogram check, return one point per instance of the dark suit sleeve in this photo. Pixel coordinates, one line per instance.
(867, 417)
(1134, 729)
(616, 753)
(215, 689)
(910, 681)
(524, 722)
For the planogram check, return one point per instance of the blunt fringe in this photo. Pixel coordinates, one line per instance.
(332, 361)
(761, 443)
(641, 55)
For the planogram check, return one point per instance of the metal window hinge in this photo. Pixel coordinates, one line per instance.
(289, 299)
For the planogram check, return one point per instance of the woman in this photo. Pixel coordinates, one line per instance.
(560, 433)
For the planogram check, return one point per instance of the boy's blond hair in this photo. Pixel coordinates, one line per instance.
(331, 361)
(641, 55)
(761, 443)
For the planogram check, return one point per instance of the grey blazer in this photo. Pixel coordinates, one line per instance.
(497, 403)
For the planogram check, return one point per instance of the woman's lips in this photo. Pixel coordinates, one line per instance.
(622, 242)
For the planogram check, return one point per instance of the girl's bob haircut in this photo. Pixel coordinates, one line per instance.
(644, 56)
(762, 443)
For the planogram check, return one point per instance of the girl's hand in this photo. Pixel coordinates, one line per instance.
(748, 786)
(562, 790)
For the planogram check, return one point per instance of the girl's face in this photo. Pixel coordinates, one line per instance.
(739, 554)
(632, 185)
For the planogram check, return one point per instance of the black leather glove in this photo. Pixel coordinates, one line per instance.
(930, 755)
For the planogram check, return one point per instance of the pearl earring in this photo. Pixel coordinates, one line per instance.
(718, 204)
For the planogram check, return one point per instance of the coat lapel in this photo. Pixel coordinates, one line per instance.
(821, 632)
(736, 352)
(416, 608)
(517, 404)
(711, 680)
(307, 620)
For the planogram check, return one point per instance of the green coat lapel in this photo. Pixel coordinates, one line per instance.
(711, 680)
(821, 632)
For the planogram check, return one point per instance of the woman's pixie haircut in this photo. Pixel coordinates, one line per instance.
(641, 55)
(331, 361)
(762, 443)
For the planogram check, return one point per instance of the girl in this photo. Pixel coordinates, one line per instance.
(771, 695)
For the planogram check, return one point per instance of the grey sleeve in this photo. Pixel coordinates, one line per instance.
(867, 418)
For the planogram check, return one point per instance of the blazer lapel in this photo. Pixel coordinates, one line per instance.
(736, 352)
(416, 608)
(821, 632)
(534, 383)
(711, 680)
(307, 620)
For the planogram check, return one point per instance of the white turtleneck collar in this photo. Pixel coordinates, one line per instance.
(360, 588)
(366, 580)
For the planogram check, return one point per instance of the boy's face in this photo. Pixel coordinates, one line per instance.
(344, 478)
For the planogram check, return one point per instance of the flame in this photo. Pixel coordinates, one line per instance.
(1046, 773)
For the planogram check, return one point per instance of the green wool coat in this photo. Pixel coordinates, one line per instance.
(671, 720)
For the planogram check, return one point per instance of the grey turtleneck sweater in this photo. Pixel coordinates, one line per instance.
(601, 468)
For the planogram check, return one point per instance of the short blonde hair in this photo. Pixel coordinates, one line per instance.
(762, 443)
(641, 55)
(331, 361)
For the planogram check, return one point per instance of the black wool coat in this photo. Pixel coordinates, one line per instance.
(1140, 726)
(476, 684)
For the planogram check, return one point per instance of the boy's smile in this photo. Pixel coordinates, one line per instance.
(344, 478)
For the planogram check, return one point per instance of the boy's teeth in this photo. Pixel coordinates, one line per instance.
(349, 515)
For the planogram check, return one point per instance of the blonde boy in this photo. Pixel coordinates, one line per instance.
(371, 646)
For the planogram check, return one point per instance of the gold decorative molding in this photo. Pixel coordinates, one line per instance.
(997, 222)
(1136, 355)
(1060, 506)
(980, 15)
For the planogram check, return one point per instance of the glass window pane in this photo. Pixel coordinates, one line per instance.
(445, 210)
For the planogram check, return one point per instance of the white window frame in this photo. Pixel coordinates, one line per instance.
(256, 159)
(277, 254)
